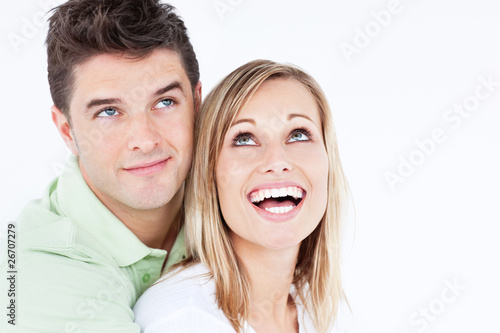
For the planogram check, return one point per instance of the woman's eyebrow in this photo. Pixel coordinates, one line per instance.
(290, 117)
(295, 115)
(244, 120)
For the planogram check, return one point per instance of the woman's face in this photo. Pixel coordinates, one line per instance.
(272, 171)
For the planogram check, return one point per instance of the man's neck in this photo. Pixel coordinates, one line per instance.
(155, 228)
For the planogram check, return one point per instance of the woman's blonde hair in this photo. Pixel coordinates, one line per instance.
(317, 277)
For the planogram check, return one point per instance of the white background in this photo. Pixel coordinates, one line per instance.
(439, 225)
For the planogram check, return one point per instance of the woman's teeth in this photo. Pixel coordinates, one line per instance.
(292, 191)
(279, 210)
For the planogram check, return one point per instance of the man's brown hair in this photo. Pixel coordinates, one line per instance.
(80, 29)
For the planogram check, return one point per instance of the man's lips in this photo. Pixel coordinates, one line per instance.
(148, 168)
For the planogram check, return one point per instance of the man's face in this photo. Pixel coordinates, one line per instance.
(132, 127)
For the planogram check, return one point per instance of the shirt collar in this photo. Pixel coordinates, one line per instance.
(77, 201)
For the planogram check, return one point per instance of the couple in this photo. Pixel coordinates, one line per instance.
(260, 210)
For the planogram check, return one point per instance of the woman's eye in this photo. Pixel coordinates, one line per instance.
(164, 103)
(299, 135)
(107, 113)
(244, 140)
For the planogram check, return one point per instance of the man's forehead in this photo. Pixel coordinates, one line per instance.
(114, 73)
(112, 64)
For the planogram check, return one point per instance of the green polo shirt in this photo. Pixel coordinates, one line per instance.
(78, 268)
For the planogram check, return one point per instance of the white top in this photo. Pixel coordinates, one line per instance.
(185, 302)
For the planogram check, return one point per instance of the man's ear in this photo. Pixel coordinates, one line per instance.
(197, 98)
(62, 124)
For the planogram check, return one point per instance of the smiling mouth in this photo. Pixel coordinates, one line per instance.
(277, 200)
(148, 168)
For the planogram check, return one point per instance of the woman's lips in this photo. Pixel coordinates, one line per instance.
(282, 215)
(278, 202)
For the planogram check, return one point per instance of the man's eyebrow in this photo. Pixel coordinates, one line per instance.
(244, 120)
(295, 115)
(171, 86)
(102, 101)
(161, 91)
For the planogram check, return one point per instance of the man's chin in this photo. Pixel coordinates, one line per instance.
(148, 202)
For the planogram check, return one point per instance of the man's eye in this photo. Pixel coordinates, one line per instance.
(164, 103)
(299, 135)
(243, 140)
(107, 113)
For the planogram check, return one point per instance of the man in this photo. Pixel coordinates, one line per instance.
(125, 84)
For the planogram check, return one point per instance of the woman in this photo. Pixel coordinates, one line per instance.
(263, 208)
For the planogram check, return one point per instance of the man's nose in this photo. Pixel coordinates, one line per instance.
(143, 134)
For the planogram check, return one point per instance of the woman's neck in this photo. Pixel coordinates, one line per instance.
(270, 273)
